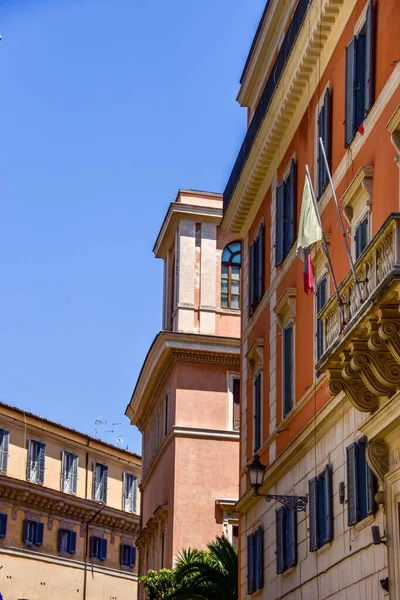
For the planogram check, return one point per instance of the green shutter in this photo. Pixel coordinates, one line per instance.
(280, 543)
(313, 513)
(349, 112)
(352, 484)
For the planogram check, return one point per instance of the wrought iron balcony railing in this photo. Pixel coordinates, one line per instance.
(266, 97)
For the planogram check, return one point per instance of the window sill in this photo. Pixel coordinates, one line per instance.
(364, 523)
(289, 571)
(256, 593)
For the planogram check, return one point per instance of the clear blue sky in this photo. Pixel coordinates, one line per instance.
(106, 109)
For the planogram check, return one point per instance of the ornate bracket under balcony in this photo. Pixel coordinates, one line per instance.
(362, 354)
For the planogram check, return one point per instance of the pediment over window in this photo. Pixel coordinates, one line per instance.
(393, 127)
(255, 356)
(358, 196)
(285, 309)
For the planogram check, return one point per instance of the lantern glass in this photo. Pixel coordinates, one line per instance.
(256, 472)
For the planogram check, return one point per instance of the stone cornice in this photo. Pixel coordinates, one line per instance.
(25, 495)
(314, 46)
(285, 308)
(173, 347)
(393, 127)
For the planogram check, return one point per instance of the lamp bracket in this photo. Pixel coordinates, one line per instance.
(297, 503)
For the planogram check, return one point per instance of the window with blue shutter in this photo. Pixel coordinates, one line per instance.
(127, 555)
(286, 538)
(321, 299)
(257, 267)
(324, 132)
(320, 509)
(288, 369)
(100, 479)
(67, 541)
(285, 214)
(359, 84)
(257, 411)
(98, 547)
(361, 237)
(130, 490)
(3, 525)
(255, 561)
(361, 483)
(36, 461)
(69, 474)
(33, 533)
(4, 444)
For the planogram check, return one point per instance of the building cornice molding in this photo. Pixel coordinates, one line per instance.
(24, 495)
(393, 126)
(285, 308)
(170, 348)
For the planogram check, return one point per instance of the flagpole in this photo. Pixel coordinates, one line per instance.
(346, 241)
(325, 245)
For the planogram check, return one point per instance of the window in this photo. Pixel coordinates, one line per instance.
(67, 541)
(359, 87)
(127, 555)
(257, 411)
(230, 275)
(236, 403)
(33, 533)
(69, 474)
(130, 487)
(361, 237)
(320, 507)
(235, 536)
(324, 132)
(257, 269)
(255, 561)
(35, 466)
(286, 538)
(166, 414)
(285, 216)
(4, 443)
(321, 299)
(100, 475)
(3, 525)
(361, 483)
(288, 367)
(98, 547)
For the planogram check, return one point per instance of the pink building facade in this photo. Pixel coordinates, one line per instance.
(186, 399)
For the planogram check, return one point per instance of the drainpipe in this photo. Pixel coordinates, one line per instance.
(87, 548)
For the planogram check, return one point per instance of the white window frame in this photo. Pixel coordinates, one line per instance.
(230, 377)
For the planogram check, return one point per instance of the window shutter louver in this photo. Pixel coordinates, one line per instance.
(60, 540)
(103, 549)
(291, 185)
(360, 80)
(74, 474)
(41, 458)
(104, 481)
(287, 370)
(326, 138)
(121, 554)
(352, 488)
(292, 548)
(133, 562)
(371, 491)
(369, 56)
(134, 494)
(4, 444)
(328, 503)
(260, 263)
(321, 301)
(39, 534)
(257, 412)
(361, 236)
(349, 112)
(279, 255)
(92, 546)
(280, 547)
(95, 480)
(260, 556)
(72, 542)
(29, 462)
(250, 571)
(26, 531)
(320, 159)
(3, 525)
(63, 471)
(313, 513)
(252, 278)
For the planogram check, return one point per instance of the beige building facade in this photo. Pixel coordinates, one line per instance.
(69, 512)
(186, 400)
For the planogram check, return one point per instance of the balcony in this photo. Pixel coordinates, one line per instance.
(362, 338)
(266, 97)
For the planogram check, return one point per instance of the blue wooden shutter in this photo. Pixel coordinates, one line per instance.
(41, 458)
(352, 484)
(360, 80)
(250, 564)
(29, 461)
(134, 494)
(280, 544)
(279, 235)
(291, 516)
(361, 236)
(349, 111)
(290, 208)
(95, 479)
(321, 301)
(39, 534)
(93, 544)
(252, 279)
(260, 262)
(369, 56)
(61, 540)
(260, 558)
(328, 504)
(133, 556)
(287, 370)
(4, 443)
(324, 131)
(367, 481)
(121, 554)
(74, 474)
(3, 525)
(257, 412)
(26, 531)
(71, 542)
(313, 513)
(103, 549)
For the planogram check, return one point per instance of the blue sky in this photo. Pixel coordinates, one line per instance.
(107, 108)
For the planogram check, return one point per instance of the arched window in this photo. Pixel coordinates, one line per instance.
(230, 275)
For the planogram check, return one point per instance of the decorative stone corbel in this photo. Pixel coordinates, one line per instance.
(378, 460)
(255, 356)
(285, 309)
(393, 127)
(358, 192)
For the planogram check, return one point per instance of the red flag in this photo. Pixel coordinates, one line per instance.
(308, 275)
(361, 129)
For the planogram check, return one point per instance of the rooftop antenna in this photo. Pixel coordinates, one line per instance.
(99, 421)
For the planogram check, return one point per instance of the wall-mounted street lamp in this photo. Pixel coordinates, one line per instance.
(256, 471)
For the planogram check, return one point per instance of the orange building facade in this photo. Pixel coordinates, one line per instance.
(186, 399)
(319, 382)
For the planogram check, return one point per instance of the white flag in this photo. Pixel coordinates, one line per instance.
(309, 228)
